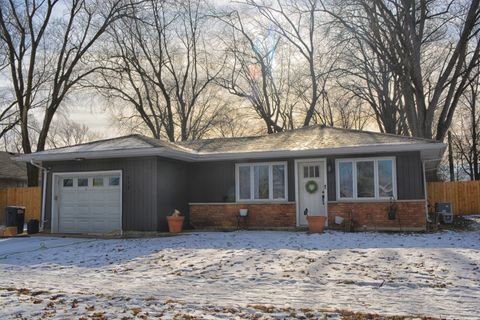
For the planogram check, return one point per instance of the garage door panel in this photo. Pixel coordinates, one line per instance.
(87, 206)
(104, 212)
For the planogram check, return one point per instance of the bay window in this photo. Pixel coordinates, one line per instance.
(366, 179)
(261, 181)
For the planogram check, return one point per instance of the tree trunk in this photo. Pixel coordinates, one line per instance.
(32, 175)
(450, 157)
(475, 173)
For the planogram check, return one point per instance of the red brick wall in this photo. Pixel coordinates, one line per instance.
(374, 215)
(223, 215)
(367, 215)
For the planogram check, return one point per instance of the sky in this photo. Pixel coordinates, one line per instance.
(98, 121)
(90, 110)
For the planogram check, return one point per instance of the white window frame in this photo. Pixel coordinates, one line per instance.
(375, 178)
(270, 181)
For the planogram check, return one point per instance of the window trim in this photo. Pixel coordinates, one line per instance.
(375, 178)
(270, 181)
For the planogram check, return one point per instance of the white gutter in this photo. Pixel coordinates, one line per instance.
(425, 191)
(216, 156)
(44, 191)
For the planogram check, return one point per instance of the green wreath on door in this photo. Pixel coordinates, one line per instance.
(311, 186)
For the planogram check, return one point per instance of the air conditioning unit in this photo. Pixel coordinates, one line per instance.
(445, 212)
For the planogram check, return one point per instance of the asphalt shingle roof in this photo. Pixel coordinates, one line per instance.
(307, 138)
(304, 139)
(11, 169)
(130, 142)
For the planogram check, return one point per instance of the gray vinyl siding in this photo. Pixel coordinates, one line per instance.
(215, 181)
(410, 182)
(139, 188)
(171, 190)
(331, 180)
(211, 182)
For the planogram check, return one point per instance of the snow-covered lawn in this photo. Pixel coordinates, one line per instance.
(242, 275)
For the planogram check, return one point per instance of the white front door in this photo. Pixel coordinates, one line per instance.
(312, 190)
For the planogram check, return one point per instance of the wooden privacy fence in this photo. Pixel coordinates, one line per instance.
(464, 195)
(30, 198)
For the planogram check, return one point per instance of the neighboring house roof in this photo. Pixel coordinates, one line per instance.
(308, 141)
(10, 169)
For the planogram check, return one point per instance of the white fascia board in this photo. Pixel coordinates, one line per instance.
(320, 152)
(126, 153)
(193, 156)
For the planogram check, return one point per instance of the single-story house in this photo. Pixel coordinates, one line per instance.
(132, 183)
(13, 174)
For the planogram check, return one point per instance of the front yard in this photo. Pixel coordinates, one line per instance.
(242, 275)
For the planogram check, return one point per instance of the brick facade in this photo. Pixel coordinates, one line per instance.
(260, 216)
(410, 215)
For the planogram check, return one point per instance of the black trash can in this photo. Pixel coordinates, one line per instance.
(33, 226)
(15, 217)
(11, 216)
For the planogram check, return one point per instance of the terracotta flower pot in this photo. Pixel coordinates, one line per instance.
(316, 224)
(175, 224)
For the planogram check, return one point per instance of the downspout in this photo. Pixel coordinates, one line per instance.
(44, 191)
(425, 192)
(425, 189)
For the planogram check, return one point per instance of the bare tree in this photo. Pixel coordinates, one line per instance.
(466, 133)
(366, 75)
(161, 67)
(419, 42)
(65, 132)
(48, 57)
(349, 111)
(236, 122)
(299, 24)
(260, 70)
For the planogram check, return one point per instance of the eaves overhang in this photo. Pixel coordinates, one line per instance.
(427, 151)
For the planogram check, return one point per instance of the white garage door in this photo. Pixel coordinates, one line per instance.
(89, 203)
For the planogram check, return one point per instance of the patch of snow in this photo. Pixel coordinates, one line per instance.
(197, 273)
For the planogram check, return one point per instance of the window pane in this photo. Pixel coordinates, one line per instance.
(279, 181)
(244, 182)
(114, 181)
(345, 172)
(385, 178)
(98, 182)
(317, 172)
(260, 182)
(68, 182)
(82, 182)
(305, 172)
(365, 179)
(311, 169)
